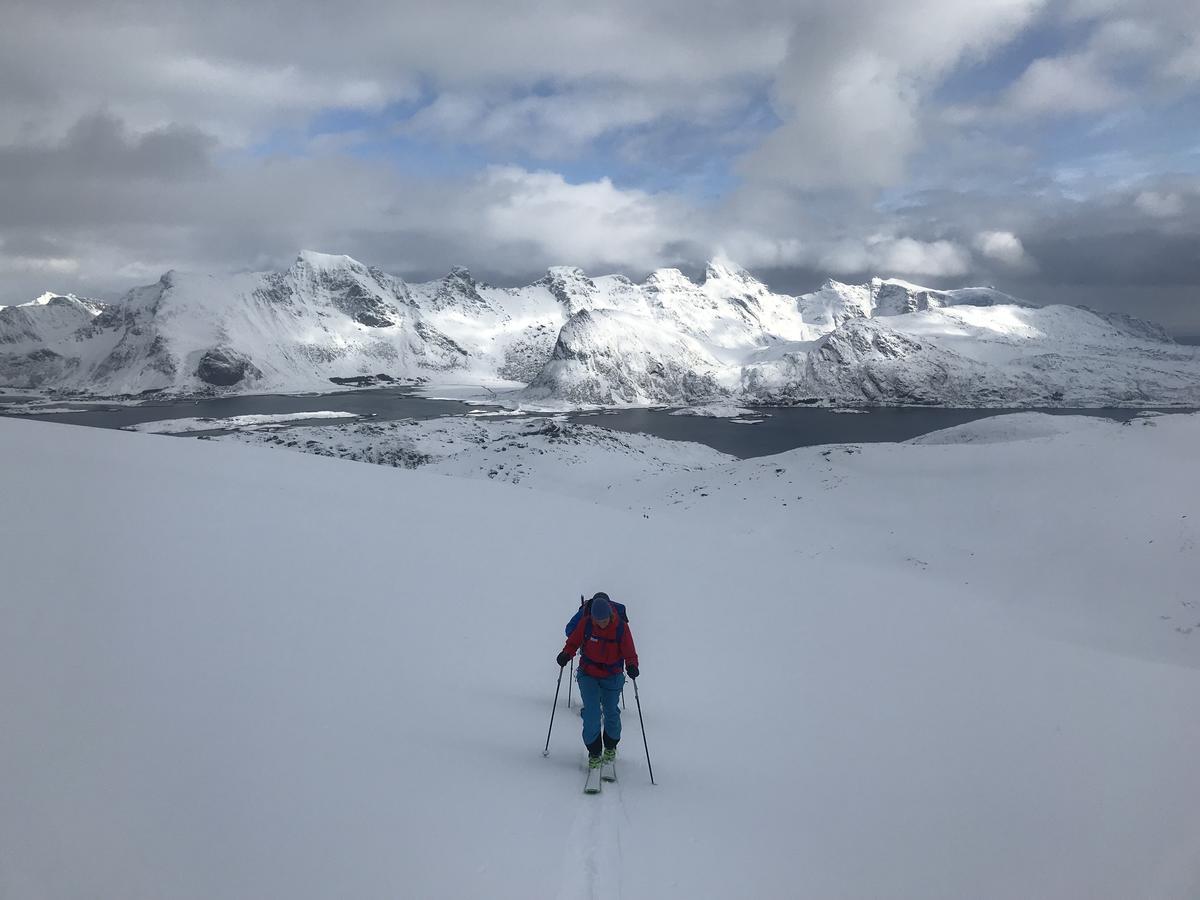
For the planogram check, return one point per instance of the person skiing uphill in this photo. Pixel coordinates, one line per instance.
(606, 650)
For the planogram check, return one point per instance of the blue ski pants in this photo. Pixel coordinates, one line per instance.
(600, 696)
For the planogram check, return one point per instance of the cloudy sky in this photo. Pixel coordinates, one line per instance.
(1049, 147)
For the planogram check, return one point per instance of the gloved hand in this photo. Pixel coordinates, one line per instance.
(633, 671)
(562, 659)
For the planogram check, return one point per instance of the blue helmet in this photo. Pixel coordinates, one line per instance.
(601, 608)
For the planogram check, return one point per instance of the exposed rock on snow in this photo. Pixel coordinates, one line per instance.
(225, 368)
(610, 358)
(715, 411)
(204, 423)
(544, 453)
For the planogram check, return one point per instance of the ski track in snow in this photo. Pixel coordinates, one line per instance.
(592, 867)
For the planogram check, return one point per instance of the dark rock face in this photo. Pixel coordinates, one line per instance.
(460, 290)
(570, 287)
(364, 380)
(37, 369)
(349, 296)
(863, 338)
(588, 367)
(1135, 327)
(894, 299)
(224, 368)
(526, 357)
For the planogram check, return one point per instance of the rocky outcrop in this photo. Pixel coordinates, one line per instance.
(221, 367)
(605, 357)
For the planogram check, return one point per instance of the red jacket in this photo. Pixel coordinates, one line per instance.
(603, 655)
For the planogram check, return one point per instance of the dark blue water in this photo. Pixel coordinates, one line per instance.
(781, 428)
(382, 404)
(785, 428)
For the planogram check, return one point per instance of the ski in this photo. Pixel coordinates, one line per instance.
(609, 772)
(592, 785)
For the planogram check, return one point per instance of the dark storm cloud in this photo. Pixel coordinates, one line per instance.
(99, 146)
(98, 174)
(1121, 259)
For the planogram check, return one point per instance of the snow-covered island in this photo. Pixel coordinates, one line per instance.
(570, 340)
(962, 666)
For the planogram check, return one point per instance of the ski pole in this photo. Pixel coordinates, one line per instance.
(573, 665)
(546, 752)
(643, 723)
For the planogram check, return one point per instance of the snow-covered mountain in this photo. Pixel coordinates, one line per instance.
(28, 331)
(569, 338)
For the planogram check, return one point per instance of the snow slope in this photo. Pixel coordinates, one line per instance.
(570, 340)
(273, 674)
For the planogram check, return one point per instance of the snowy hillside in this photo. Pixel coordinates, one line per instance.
(955, 669)
(570, 339)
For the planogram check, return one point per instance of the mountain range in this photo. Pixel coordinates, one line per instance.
(572, 339)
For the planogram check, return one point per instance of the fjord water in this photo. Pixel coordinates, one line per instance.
(381, 404)
(763, 432)
(779, 429)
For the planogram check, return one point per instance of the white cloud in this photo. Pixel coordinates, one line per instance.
(852, 90)
(1159, 205)
(1184, 65)
(29, 265)
(848, 256)
(565, 122)
(1004, 247)
(590, 224)
(245, 84)
(1126, 59)
(1085, 81)
(907, 256)
(1058, 85)
(240, 70)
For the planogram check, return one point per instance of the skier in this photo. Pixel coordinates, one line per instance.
(607, 652)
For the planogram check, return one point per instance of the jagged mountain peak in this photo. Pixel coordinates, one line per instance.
(458, 289)
(570, 286)
(667, 278)
(315, 260)
(52, 299)
(568, 272)
(720, 268)
(832, 284)
(878, 281)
